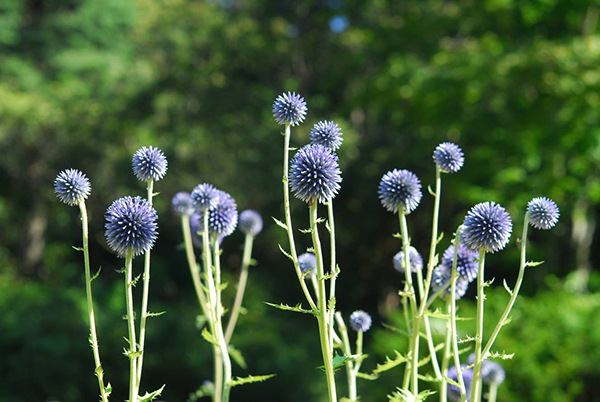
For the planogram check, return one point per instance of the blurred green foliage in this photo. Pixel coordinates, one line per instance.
(85, 83)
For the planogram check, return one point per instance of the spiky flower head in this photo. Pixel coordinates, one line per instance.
(182, 203)
(360, 321)
(72, 187)
(487, 227)
(204, 196)
(130, 226)
(251, 222)
(543, 213)
(414, 259)
(289, 108)
(149, 163)
(315, 174)
(223, 217)
(307, 263)
(448, 157)
(466, 261)
(467, 375)
(328, 134)
(491, 372)
(400, 189)
(441, 277)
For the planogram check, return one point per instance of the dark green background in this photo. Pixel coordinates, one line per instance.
(85, 83)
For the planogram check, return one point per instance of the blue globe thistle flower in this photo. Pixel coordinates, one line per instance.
(307, 263)
(204, 196)
(448, 157)
(441, 276)
(328, 134)
(414, 259)
(400, 189)
(315, 173)
(289, 108)
(149, 163)
(466, 262)
(467, 375)
(223, 217)
(543, 213)
(487, 227)
(196, 227)
(182, 203)
(251, 222)
(72, 187)
(360, 321)
(131, 226)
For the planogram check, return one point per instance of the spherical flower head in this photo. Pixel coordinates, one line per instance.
(487, 227)
(360, 321)
(491, 372)
(131, 226)
(448, 157)
(149, 163)
(414, 259)
(204, 196)
(466, 261)
(72, 187)
(182, 203)
(467, 375)
(223, 217)
(308, 264)
(315, 174)
(251, 222)
(328, 134)
(400, 189)
(441, 277)
(543, 213)
(289, 108)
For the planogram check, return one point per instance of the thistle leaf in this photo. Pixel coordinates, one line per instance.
(365, 376)
(151, 314)
(298, 308)
(279, 223)
(77, 248)
(250, 379)
(305, 231)
(96, 275)
(510, 292)
(208, 337)
(390, 363)
(236, 355)
(147, 397)
(339, 361)
(288, 255)
(533, 263)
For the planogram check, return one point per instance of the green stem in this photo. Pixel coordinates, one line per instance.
(430, 345)
(146, 289)
(493, 392)
(239, 295)
(288, 217)
(322, 317)
(453, 279)
(446, 361)
(133, 393)
(194, 269)
(359, 352)
(350, 374)
(90, 303)
(332, 269)
(476, 390)
(219, 323)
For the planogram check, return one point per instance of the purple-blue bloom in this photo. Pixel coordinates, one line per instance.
(400, 189)
(289, 108)
(543, 213)
(441, 277)
(251, 222)
(307, 263)
(487, 227)
(131, 226)
(72, 187)
(360, 321)
(448, 157)
(149, 163)
(315, 174)
(204, 196)
(182, 203)
(466, 262)
(467, 375)
(223, 217)
(414, 259)
(491, 372)
(328, 134)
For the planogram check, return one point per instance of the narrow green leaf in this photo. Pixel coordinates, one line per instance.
(250, 379)
(279, 223)
(365, 376)
(150, 314)
(306, 231)
(236, 355)
(108, 389)
(78, 248)
(147, 397)
(135, 280)
(208, 337)
(507, 288)
(429, 189)
(390, 363)
(533, 263)
(298, 308)
(288, 255)
(339, 361)
(96, 275)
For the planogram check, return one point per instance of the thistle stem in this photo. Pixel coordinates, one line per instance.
(453, 279)
(332, 269)
(133, 392)
(194, 269)
(219, 323)
(493, 392)
(350, 373)
(476, 390)
(90, 303)
(430, 345)
(446, 361)
(239, 295)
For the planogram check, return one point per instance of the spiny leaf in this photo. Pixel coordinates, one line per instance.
(497, 355)
(365, 376)
(320, 220)
(430, 190)
(223, 286)
(390, 363)
(397, 235)
(151, 314)
(108, 389)
(533, 263)
(437, 314)
(327, 226)
(147, 397)
(250, 379)
(292, 148)
(120, 271)
(426, 360)
(78, 248)
(285, 252)
(402, 395)
(331, 303)
(306, 231)
(428, 378)
(439, 239)
(236, 355)
(398, 330)
(201, 320)
(208, 337)
(96, 275)
(132, 355)
(507, 288)
(506, 321)
(252, 262)
(135, 280)
(451, 381)
(298, 308)
(488, 283)
(469, 338)
(339, 361)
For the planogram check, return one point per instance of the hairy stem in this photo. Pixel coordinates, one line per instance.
(239, 295)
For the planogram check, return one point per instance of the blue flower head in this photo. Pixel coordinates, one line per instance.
(328, 134)
(491, 372)
(441, 276)
(182, 203)
(487, 227)
(360, 321)
(315, 174)
(467, 375)
(400, 189)
(130, 226)
(251, 222)
(223, 217)
(307, 263)
(204, 196)
(72, 187)
(289, 108)
(448, 157)
(149, 163)
(466, 262)
(543, 213)
(414, 259)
